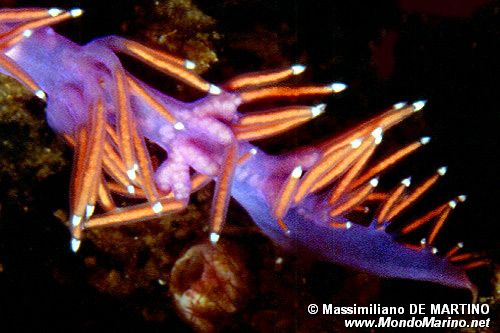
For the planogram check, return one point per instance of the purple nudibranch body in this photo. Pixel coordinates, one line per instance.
(75, 78)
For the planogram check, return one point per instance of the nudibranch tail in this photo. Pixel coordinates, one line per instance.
(310, 199)
(316, 196)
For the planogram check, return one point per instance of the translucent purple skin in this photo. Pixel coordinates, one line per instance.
(75, 76)
(361, 247)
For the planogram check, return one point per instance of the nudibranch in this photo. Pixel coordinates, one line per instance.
(304, 200)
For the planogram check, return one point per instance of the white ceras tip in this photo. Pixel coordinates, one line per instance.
(442, 170)
(297, 172)
(131, 174)
(253, 151)
(423, 241)
(452, 204)
(75, 244)
(419, 105)
(399, 105)
(214, 237)
(27, 33)
(356, 143)
(76, 220)
(54, 11)
(75, 12)
(41, 94)
(348, 225)
(374, 182)
(406, 182)
(188, 64)
(89, 210)
(434, 250)
(338, 87)
(377, 134)
(179, 126)
(425, 140)
(460, 245)
(318, 110)
(214, 90)
(131, 189)
(297, 69)
(462, 197)
(157, 207)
